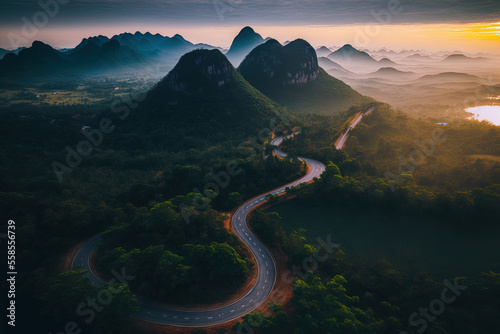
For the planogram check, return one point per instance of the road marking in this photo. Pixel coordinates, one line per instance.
(231, 311)
(265, 281)
(258, 293)
(186, 318)
(267, 265)
(242, 305)
(267, 272)
(260, 249)
(149, 312)
(175, 317)
(254, 243)
(166, 316)
(209, 317)
(197, 318)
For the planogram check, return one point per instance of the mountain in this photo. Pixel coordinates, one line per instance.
(242, 44)
(335, 69)
(448, 76)
(291, 76)
(391, 73)
(3, 52)
(349, 55)
(418, 57)
(38, 60)
(387, 62)
(323, 51)
(328, 64)
(459, 58)
(109, 56)
(203, 97)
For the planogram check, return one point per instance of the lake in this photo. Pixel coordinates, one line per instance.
(486, 113)
(410, 244)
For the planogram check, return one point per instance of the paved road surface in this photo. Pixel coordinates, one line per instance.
(343, 138)
(266, 266)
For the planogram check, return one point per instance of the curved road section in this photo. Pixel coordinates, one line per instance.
(265, 263)
(345, 135)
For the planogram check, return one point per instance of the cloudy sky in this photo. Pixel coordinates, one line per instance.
(328, 22)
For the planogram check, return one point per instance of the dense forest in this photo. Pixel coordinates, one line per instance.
(332, 293)
(137, 194)
(124, 188)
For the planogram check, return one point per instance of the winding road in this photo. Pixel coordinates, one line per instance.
(345, 135)
(265, 263)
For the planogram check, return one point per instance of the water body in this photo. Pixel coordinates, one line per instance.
(486, 113)
(409, 244)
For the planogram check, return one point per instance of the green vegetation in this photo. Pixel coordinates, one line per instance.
(130, 184)
(326, 95)
(341, 295)
(290, 75)
(176, 260)
(331, 293)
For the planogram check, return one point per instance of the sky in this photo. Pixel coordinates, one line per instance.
(472, 26)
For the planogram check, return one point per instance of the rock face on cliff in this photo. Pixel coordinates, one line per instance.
(199, 71)
(204, 97)
(291, 76)
(272, 64)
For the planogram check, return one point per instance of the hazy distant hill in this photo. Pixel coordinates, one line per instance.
(387, 62)
(203, 97)
(3, 52)
(323, 51)
(38, 60)
(350, 55)
(109, 56)
(42, 62)
(329, 64)
(391, 73)
(460, 58)
(448, 76)
(418, 57)
(242, 44)
(291, 76)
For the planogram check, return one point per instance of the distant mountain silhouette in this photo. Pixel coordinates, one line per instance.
(108, 56)
(3, 52)
(387, 62)
(291, 76)
(448, 76)
(242, 44)
(350, 55)
(460, 58)
(392, 73)
(38, 60)
(323, 51)
(328, 64)
(419, 57)
(335, 69)
(43, 62)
